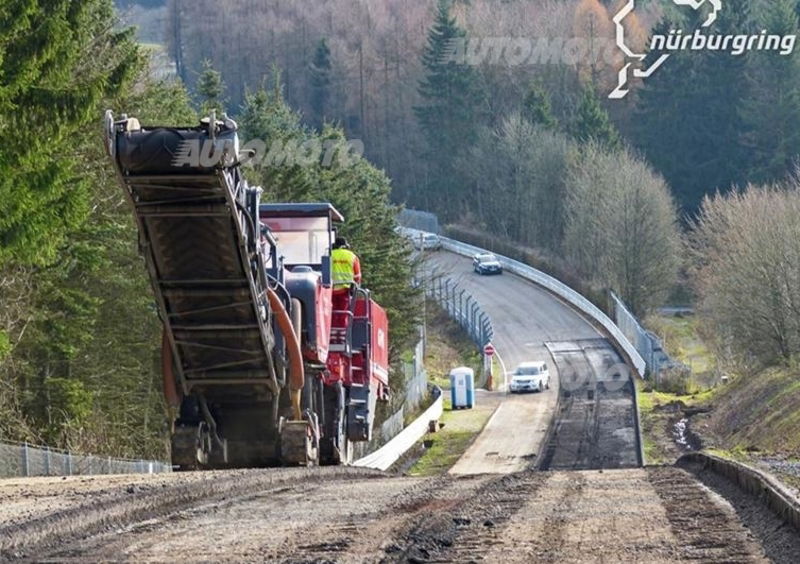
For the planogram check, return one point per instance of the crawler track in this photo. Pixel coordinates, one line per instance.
(595, 423)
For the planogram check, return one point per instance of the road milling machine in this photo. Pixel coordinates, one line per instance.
(263, 363)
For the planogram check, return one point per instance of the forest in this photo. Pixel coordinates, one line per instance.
(686, 182)
(79, 332)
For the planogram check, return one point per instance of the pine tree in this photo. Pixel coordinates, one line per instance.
(320, 82)
(771, 114)
(210, 89)
(58, 60)
(689, 116)
(536, 108)
(449, 114)
(592, 122)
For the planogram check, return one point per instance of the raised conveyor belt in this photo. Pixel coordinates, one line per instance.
(201, 246)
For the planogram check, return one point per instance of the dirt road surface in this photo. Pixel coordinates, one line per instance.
(524, 318)
(348, 515)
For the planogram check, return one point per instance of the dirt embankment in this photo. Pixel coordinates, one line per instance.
(757, 412)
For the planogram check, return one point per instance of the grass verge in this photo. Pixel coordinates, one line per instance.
(460, 427)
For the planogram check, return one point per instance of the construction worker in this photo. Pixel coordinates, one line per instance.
(346, 266)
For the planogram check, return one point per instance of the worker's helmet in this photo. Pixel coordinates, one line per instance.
(341, 243)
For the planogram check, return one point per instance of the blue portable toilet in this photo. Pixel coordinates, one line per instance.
(462, 387)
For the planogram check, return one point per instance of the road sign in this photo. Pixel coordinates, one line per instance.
(488, 350)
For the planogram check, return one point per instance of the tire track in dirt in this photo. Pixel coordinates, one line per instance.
(314, 521)
(706, 526)
(779, 539)
(131, 505)
(467, 530)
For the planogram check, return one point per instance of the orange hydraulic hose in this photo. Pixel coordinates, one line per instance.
(168, 372)
(296, 371)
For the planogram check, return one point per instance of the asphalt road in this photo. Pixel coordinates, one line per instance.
(524, 318)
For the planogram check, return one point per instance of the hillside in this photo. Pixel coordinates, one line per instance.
(757, 413)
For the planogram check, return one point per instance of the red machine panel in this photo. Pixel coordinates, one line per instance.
(380, 343)
(324, 308)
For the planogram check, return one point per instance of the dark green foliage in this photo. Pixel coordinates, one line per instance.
(210, 90)
(536, 108)
(592, 122)
(58, 60)
(449, 113)
(771, 113)
(320, 82)
(78, 330)
(689, 119)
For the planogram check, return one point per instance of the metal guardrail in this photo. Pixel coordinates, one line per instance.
(23, 459)
(646, 343)
(388, 454)
(462, 308)
(561, 290)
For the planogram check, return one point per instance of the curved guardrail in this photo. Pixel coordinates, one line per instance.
(388, 454)
(561, 290)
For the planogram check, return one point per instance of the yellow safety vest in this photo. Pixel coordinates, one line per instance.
(343, 266)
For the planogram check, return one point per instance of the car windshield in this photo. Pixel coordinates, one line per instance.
(486, 258)
(528, 371)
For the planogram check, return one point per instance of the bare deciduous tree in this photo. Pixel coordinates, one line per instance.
(621, 226)
(746, 269)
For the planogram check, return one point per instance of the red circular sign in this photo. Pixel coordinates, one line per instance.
(488, 350)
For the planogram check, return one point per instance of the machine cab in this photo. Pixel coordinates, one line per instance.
(304, 235)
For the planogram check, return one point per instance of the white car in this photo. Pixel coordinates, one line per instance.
(530, 377)
(427, 241)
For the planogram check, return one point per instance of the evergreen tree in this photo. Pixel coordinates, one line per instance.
(210, 89)
(689, 117)
(58, 60)
(536, 108)
(448, 115)
(592, 122)
(320, 82)
(771, 113)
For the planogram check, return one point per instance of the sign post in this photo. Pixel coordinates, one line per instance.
(488, 354)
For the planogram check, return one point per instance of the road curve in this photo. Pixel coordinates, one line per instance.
(524, 317)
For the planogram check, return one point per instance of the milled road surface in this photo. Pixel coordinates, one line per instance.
(524, 318)
(349, 515)
(595, 426)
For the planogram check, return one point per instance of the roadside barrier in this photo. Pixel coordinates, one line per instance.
(561, 290)
(751, 481)
(388, 454)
